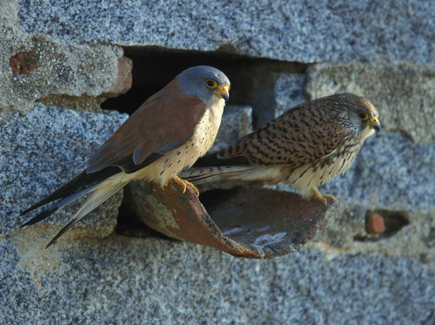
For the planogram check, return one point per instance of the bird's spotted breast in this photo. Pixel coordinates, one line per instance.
(306, 177)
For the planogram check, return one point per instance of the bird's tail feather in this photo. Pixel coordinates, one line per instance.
(99, 196)
(203, 175)
(81, 182)
(57, 206)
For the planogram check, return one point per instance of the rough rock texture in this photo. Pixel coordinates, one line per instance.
(165, 282)
(303, 31)
(404, 94)
(236, 123)
(270, 87)
(289, 91)
(42, 150)
(390, 172)
(124, 80)
(67, 54)
(61, 68)
(347, 232)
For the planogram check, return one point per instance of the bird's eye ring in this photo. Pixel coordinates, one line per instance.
(210, 83)
(363, 116)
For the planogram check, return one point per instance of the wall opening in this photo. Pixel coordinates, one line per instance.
(252, 80)
(252, 83)
(392, 222)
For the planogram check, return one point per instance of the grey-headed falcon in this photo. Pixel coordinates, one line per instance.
(305, 147)
(168, 133)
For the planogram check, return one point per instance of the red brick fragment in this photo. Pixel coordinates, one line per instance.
(124, 81)
(375, 224)
(24, 62)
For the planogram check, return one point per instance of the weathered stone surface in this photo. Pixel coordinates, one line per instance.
(64, 69)
(404, 94)
(289, 91)
(270, 87)
(42, 150)
(296, 31)
(236, 123)
(344, 275)
(163, 282)
(124, 79)
(390, 172)
(82, 103)
(347, 233)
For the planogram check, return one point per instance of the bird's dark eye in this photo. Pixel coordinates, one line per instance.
(363, 116)
(210, 83)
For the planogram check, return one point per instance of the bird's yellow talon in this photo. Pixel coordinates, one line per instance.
(184, 183)
(315, 195)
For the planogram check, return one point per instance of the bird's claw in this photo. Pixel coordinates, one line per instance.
(184, 184)
(315, 195)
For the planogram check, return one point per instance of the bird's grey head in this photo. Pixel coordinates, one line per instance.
(358, 114)
(204, 82)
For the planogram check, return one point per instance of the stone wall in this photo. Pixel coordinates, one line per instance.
(62, 62)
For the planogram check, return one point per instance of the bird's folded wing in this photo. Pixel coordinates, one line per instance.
(163, 123)
(294, 139)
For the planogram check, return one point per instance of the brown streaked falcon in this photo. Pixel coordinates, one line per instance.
(305, 147)
(168, 133)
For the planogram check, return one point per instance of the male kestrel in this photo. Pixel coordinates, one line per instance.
(169, 132)
(305, 147)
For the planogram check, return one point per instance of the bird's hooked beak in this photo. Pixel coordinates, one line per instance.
(375, 125)
(223, 92)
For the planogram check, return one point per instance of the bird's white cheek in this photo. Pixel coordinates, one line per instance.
(367, 132)
(217, 106)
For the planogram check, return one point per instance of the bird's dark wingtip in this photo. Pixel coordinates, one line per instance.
(60, 233)
(51, 242)
(43, 215)
(22, 213)
(24, 226)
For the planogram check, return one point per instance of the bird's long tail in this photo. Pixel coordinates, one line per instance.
(100, 186)
(98, 197)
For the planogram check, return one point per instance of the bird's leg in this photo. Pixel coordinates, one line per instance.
(315, 195)
(184, 183)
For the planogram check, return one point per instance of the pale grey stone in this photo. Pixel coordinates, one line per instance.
(390, 172)
(296, 31)
(236, 123)
(121, 280)
(63, 68)
(44, 149)
(289, 91)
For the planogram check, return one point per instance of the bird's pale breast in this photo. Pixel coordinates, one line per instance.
(306, 177)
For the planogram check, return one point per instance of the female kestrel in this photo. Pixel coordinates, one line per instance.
(169, 132)
(305, 147)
